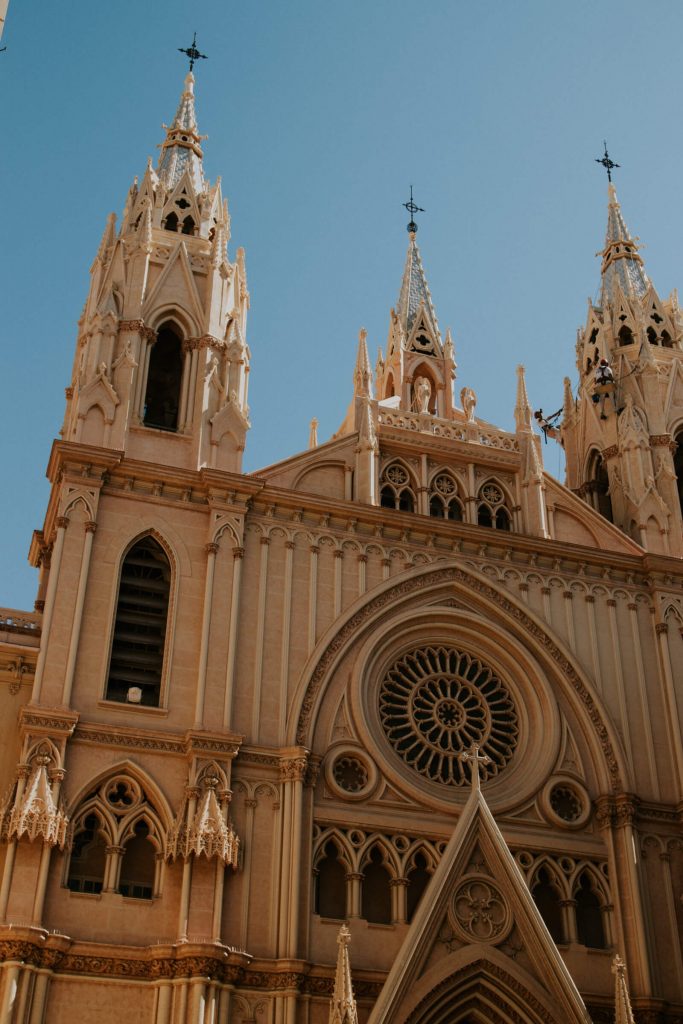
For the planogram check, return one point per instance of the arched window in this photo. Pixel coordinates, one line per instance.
(678, 466)
(625, 335)
(590, 926)
(330, 885)
(418, 880)
(666, 340)
(598, 484)
(547, 899)
(162, 397)
(188, 225)
(652, 336)
(88, 857)
(491, 509)
(444, 502)
(138, 865)
(137, 651)
(376, 894)
(171, 222)
(395, 490)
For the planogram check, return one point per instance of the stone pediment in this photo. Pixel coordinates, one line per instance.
(477, 939)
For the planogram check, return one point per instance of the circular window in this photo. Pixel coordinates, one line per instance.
(435, 702)
(350, 773)
(566, 802)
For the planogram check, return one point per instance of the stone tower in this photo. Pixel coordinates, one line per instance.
(162, 364)
(621, 444)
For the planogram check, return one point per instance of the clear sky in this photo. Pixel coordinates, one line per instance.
(319, 117)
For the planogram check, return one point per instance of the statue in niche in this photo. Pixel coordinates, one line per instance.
(423, 393)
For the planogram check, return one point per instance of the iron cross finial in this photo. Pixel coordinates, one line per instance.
(608, 164)
(412, 208)
(476, 760)
(192, 52)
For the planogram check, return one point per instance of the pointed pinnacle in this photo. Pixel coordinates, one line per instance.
(623, 1011)
(522, 407)
(568, 400)
(108, 236)
(362, 374)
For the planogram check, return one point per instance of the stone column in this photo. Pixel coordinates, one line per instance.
(211, 551)
(55, 563)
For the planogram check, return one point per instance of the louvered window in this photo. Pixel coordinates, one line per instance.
(137, 653)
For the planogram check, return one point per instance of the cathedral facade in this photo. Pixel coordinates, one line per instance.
(391, 730)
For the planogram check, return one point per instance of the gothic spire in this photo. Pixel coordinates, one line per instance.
(343, 1006)
(362, 374)
(415, 294)
(622, 265)
(180, 151)
(622, 1002)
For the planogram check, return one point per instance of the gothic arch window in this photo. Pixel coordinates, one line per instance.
(492, 511)
(118, 840)
(140, 625)
(330, 884)
(396, 488)
(546, 896)
(625, 335)
(590, 927)
(188, 225)
(376, 892)
(444, 502)
(171, 221)
(678, 465)
(666, 340)
(652, 336)
(88, 856)
(418, 880)
(164, 376)
(598, 486)
(138, 864)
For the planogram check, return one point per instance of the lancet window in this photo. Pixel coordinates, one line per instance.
(118, 841)
(547, 898)
(492, 510)
(164, 377)
(444, 500)
(138, 644)
(396, 489)
(590, 927)
(376, 889)
(330, 884)
(598, 486)
(418, 879)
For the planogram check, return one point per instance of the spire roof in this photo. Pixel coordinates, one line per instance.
(180, 151)
(414, 293)
(622, 265)
(622, 1002)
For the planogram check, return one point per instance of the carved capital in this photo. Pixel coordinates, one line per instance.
(661, 627)
(610, 452)
(132, 325)
(212, 548)
(293, 769)
(62, 522)
(237, 553)
(91, 526)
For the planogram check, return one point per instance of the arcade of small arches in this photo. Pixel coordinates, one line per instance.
(446, 498)
(381, 879)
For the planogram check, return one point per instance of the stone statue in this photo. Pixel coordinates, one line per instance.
(423, 392)
(468, 400)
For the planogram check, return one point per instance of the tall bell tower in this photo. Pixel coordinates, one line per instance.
(623, 440)
(162, 364)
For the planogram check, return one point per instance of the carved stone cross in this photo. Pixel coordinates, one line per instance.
(473, 757)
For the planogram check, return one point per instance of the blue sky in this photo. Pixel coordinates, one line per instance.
(319, 116)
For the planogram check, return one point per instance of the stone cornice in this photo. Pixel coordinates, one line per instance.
(223, 746)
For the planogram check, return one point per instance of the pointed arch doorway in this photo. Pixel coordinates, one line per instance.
(482, 992)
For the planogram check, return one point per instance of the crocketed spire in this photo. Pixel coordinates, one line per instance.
(180, 151)
(343, 1007)
(622, 265)
(622, 1004)
(415, 294)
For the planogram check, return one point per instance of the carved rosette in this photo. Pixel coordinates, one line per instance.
(31, 810)
(207, 831)
(479, 912)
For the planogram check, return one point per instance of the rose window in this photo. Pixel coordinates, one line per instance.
(444, 484)
(350, 774)
(566, 803)
(397, 475)
(492, 494)
(435, 702)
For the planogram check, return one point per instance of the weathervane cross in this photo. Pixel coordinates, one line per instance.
(476, 760)
(192, 52)
(412, 208)
(608, 164)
